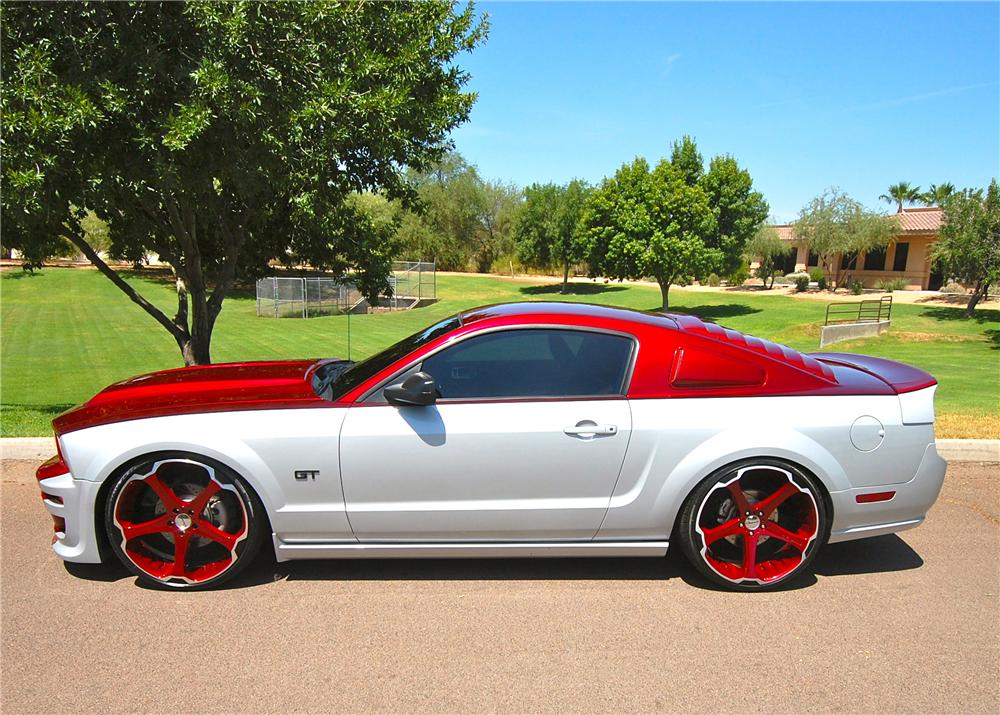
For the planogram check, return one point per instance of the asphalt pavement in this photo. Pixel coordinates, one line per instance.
(906, 623)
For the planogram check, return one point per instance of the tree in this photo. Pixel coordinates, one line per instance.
(739, 210)
(833, 225)
(969, 246)
(548, 232)
(684, 155)
(224, 135)
(901, 193)
(937, 194)
(766, 247)
(650, 223)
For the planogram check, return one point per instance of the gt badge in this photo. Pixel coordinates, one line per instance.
(304, 475)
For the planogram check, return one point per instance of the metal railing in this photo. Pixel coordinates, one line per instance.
(865, 311)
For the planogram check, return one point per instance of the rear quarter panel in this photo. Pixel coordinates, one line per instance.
(676, 443)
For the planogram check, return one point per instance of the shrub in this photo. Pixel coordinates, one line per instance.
(713, 280)
(801, 282)
(817, 275)
(893, 284)
(857, 287)
(953, 287)
(781, 280)
(739, 276)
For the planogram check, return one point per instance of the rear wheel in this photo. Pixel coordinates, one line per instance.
(183, 522)
(754, 525)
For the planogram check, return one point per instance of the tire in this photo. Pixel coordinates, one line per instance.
(754, 525)
(183, 521)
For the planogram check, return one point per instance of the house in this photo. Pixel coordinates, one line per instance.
(907, 257)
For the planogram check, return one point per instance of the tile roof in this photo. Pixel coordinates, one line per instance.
(923, 220)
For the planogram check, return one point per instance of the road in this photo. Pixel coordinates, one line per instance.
(892, 624)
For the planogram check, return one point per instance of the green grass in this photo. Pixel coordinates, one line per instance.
(66, 333)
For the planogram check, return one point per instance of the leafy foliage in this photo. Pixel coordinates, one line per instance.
(675, 222)
(834, 225)
(767, 248)
(969, 247)
(937, 194)
(902, 193)
(224, 135)
(548, 228)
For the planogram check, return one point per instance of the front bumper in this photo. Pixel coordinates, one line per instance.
(905, 510)
(77, 541)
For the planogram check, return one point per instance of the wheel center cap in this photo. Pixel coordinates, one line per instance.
(182, 522)
(752, 522)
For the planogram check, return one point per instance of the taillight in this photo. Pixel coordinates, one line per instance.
(53, 467)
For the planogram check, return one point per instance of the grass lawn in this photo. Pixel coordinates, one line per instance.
(68, 332)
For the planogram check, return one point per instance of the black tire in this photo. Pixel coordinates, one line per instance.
(769, 539)
(156, 500)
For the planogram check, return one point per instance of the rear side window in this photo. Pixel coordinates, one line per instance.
(532, 363)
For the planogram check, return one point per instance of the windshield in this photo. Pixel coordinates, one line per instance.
(359, 372)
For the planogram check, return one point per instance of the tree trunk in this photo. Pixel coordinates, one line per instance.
(977, 296)
(565, 283)
(664, 293)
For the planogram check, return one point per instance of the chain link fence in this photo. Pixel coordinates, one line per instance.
(410, 284)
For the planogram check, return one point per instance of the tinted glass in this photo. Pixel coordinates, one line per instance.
(532, 363)
(902, 253)
(875, 260)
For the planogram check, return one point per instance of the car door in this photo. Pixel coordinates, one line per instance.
(525, 442)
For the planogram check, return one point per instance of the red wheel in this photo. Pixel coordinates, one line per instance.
(182, 523)
(754, 525)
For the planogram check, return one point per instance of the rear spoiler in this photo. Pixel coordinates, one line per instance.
(901, 378)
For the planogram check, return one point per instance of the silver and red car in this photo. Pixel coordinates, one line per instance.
(533, 429)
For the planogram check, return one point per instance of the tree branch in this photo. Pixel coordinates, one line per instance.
(128, 290)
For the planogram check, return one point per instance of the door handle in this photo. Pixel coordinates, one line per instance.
(587, 428)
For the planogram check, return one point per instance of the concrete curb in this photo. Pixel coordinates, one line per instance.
(953, 450)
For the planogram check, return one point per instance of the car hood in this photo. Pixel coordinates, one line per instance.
(210, 388)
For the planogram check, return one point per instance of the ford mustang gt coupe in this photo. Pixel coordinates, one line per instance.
(531, 429)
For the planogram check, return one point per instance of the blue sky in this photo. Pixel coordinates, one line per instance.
(804, 95)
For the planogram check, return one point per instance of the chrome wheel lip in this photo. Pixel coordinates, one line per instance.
(182, 581)
(724, 485)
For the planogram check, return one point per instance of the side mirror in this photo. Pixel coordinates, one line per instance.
(416, 390)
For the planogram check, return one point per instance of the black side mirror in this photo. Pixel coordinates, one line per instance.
(418, 389)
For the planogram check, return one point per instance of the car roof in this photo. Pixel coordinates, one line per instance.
(581, 310)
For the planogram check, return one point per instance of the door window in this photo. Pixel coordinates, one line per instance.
(532, 363)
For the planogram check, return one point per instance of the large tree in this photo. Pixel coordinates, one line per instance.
(834, 225)
(223, 135)
(969, 247)
(548, 229)
(653, 223)
(901, 193)
(643, 222)
(739, 210)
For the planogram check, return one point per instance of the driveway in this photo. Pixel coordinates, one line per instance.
(896, 623)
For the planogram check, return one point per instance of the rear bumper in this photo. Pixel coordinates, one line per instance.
(905, 510)
(77, 541)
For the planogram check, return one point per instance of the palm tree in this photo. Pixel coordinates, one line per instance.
(937, 194)
(901, 193)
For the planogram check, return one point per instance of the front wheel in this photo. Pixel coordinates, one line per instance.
(183, 522)
(754, 525)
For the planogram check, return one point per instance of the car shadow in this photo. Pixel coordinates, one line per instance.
(882, 554)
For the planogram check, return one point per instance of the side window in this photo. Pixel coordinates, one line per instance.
(532, 363)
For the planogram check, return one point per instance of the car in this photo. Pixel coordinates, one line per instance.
(525, 429)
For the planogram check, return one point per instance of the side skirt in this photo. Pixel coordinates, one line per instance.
(286, 551)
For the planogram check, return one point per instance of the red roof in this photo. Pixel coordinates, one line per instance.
(924, 220)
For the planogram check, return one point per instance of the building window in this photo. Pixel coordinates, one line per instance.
(813, 259)
(875, 260)
(899, 261)
(849, 262)
(787, 264)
